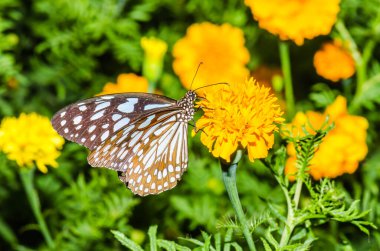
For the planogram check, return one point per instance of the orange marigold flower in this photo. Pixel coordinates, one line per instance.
(30, 139)
(343, 147)
(219, 47)
(241, 115)
(334, 62)
(295, 20)
(126, 82)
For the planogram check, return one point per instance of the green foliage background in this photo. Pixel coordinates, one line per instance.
(53, 53)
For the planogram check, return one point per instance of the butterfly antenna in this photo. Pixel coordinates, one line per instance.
(196, 72)
(211, 85)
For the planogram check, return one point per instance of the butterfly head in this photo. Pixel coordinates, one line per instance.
(187, 103)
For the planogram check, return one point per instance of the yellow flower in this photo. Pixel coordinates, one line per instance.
(126, 82)
(343, 147)
(297, 19)
(334, 62)
(241, 115)
(155, 50)
(219, 47)
(30, 139)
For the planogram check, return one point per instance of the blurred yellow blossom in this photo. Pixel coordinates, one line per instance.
(30, 139)
(215, 185)
(334, 62)
(220, 48)
(138, 236)
(154, 50)
(343, 147)
(126, 82)
(239, 115)
(296, 20)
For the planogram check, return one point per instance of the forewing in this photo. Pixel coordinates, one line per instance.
(152, 152)
(91, 122)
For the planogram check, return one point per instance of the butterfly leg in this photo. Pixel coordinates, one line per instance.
(122, 177)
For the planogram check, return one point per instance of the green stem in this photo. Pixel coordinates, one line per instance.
(27, 175)
(151, 87)
(229, 179)
(286, 70)
(297, 193)
(360, 61)
(289, 224)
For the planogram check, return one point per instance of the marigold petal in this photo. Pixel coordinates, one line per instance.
(240, 115)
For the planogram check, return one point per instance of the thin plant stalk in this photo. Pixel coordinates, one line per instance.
(27, 176)
(361, 59)
(229, 179)
(286, 70)
(291, 222)
(151, 87)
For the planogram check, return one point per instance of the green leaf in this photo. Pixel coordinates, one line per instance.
(126, 242)
(167, 245)
(152, 232)
(218, 241)
(236, 246)
(266, 245)
(227, 239)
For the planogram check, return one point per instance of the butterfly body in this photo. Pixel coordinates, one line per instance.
(142, 136)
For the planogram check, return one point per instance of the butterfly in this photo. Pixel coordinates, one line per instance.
(142, 136)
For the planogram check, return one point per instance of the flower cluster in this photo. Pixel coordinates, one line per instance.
(239, 115)
(341, 149)
(126, 82)
(219, 47)
(30, 139)
(295, 20)
(334, 62)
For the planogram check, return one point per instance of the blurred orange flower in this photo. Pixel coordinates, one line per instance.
(240, 115)
(219, 47)
(295, 20)
(126, 82)
(334, 62)
(343, 147)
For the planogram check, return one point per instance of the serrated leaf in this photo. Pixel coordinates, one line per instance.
(191, 240)
(266, 245)
(227, 240)
(168, 245)
(271, 239)
(152, 232)
(236, 246)
(126, 241)
(218, 242)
